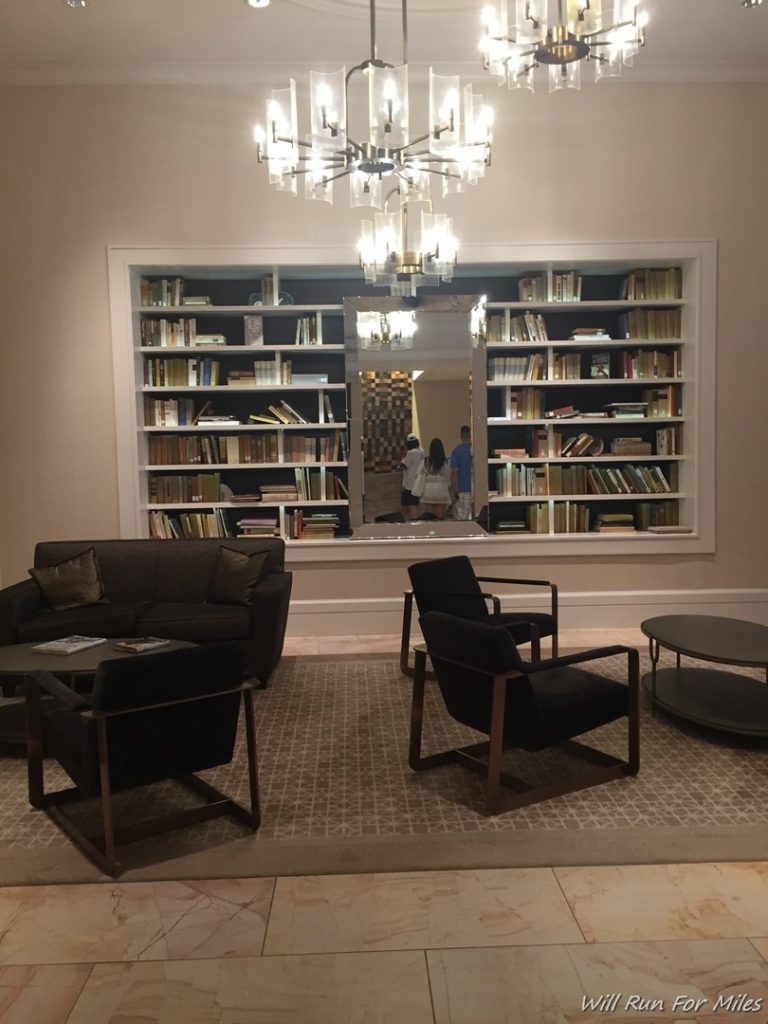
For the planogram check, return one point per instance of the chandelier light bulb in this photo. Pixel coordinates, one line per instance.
(257, 3)
(76, 3)
(519, 36)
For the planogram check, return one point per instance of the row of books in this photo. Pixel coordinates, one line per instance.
(543, 444)
(655, 403)
(652, 283)
(511, 368)
(163, 292)
(182, 489)
(651, 323)
(576, 517)
(188, 524)
(514, 480)
(566, 286)
(170, 450)
(264, 372)
(203, 372)
(643, 364)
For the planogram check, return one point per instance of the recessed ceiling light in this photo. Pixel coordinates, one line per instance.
(257, 3)
(76, 3)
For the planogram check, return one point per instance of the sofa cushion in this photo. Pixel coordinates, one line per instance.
(128, 567)
(72, 583)
(235, 575)
(93, 620)
(200, 623)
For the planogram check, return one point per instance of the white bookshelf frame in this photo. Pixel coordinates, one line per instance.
(697, 258)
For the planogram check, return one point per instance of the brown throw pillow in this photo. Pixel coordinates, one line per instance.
(235, 576)
(71, 584)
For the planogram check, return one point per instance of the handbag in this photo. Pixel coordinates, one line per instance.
(418, 484)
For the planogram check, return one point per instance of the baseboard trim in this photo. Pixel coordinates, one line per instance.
(607, 609)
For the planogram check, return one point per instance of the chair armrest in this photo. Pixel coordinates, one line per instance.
(574, 659)
(509, 579)
(18, 603)
(41, 680)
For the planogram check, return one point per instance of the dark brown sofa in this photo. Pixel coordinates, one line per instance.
(158, 588)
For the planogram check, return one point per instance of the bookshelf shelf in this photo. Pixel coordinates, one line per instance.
(198, 505)
(201, 310)
(241, 350)
(239, 389)
(532, 312)
(198, 466)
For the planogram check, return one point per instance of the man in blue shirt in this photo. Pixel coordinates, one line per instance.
(461, 475)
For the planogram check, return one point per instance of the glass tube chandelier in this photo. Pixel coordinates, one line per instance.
(385, 332)
(521, 35)
(394, 255)
(454, 147)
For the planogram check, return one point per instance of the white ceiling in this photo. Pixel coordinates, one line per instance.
(226, 41)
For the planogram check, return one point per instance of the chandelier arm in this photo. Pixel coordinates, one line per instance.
(373, 29)
(335, 177)
(405, 31)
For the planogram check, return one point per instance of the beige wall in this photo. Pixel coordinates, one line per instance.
(440, 407)
(84, 168)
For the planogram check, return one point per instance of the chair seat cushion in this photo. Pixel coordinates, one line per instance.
(93, 620)
(565, 702)
(199, 623)
(517, 623)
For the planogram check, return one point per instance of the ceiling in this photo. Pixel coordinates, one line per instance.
(226, 41)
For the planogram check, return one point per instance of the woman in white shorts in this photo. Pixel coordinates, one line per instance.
(436, 496)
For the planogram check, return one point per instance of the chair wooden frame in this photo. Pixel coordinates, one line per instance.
(498, 782)
(408, 595)
(102, 850)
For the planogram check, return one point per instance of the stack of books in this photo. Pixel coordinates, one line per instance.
(615, 522)
(627, 410)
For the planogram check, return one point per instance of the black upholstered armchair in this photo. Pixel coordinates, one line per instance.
(485, 685)
(450, 585)
(151, 717)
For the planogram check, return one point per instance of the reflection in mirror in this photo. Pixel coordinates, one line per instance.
(410, 370)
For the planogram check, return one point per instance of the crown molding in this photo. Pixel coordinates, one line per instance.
(229, 74)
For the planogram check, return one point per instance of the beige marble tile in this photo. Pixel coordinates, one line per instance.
(40, 995)
(627, 982)
(709, 977)
(509, 985)
(133, 921)
(761, 945)
(357, 988)
(418, 910)
(662, 901)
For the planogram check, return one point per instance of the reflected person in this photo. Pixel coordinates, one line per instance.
(410, 463)
(461, 474)
(436, 496)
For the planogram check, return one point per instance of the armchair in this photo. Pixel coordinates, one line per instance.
(151, 717)
(450, 585)
(485, 685)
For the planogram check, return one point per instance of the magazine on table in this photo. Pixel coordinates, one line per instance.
(140, 644)
(69, 644)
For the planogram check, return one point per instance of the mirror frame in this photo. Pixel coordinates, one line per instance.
(463, 306)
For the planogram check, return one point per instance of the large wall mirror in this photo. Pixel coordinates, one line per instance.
(410, 367)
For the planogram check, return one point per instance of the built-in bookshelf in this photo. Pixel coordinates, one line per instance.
(591, 400)
(597, 401)
(243, 413)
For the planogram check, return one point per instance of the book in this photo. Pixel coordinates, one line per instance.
(564, 412)
(669, 529)
(327, 406)
(196, 300)
(600, 364)
(140, 644)
(253, 329)
(292, 412)
(69, 644)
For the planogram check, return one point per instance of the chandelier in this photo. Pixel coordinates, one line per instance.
(520, 35)
(455, 146)
(385, 332)
(390, 256)
(751, 3)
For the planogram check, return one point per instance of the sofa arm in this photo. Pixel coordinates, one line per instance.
(269, 618)
(18, 603)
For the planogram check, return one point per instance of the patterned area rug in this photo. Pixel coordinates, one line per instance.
(332, 741)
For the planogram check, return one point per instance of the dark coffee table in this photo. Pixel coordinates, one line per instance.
(18, 659)
(713, 698)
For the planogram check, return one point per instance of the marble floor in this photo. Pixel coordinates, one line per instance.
(505, 946)
(567, 945)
